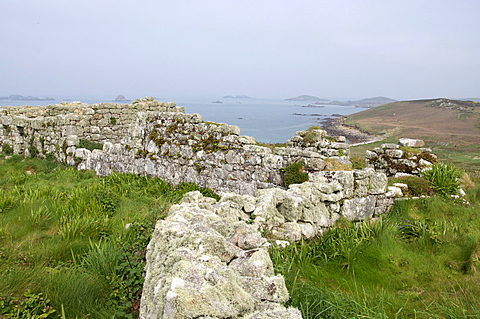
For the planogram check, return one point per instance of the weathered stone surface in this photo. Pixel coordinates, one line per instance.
(358, 208)
(393, 161)
(189, 276)
(395, 153)
(378, 183)
(411, 142)
(389, 146)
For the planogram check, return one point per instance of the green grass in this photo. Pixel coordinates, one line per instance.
(76, 239)
(421, 260)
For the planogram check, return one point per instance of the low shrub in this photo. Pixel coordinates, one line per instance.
(358, 162)
(295, 174)
(31, 305)
(310, 136)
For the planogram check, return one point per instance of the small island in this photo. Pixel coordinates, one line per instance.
(236, 97)
(121, 98)
(366, 103)
(303, 98)
(18, 97)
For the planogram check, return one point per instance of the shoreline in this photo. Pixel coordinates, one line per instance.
(353, 135)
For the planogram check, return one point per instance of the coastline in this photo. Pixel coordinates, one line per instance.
(353, 135)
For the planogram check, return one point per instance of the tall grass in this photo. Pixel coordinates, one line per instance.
(420, 261)
(63, 236)
(445, 178)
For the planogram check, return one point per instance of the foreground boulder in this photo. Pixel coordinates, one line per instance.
(201, 265)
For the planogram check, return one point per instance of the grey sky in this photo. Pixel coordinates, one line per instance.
(264, 48)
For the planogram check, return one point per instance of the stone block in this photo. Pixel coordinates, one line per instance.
(411, 142)
(389, 146)
(378, 183)
(394, 153)
(358, 208)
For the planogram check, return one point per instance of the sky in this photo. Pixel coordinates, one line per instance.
(406, 49)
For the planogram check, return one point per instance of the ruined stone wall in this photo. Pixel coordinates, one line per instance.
(54, 128)
(204, 262)
(158, 139)
(408, 157)
(182, 147)
(209, 259)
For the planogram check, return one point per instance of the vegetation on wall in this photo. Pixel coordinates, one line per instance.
(295, 174)
(89, 145)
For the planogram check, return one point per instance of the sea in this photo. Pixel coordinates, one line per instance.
(267, 120)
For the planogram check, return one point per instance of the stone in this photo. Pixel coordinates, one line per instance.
(394, 191)
(389, 146)
(378, 183)
(394, 153)
(411, 142)
(359, 208)
(423, 162)
(189, 277)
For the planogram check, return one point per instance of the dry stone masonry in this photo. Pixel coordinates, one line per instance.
(208, 259)
(158, 139)
(405, 158)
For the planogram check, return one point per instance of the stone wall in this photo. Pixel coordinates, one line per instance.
(204, 262)
(408, 157)
(54, 128)
(158, 139)
(208, 259)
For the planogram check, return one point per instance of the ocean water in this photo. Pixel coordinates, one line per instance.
(268, 121)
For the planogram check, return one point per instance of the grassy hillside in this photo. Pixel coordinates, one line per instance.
(450, 128)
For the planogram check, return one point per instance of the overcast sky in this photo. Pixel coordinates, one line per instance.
(404, 49)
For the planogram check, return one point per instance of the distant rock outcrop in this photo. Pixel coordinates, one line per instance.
(121, 98)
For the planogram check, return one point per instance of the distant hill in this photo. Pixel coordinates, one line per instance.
(375, 100)
(366, 103)
(474, 99)
(306, 98)
(441, 121)
(18, 97)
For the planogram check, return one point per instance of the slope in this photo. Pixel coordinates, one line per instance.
(435, 121)
(451, 127)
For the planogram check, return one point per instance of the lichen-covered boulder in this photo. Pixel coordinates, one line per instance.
(200, 265)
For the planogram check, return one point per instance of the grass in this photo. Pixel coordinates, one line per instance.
(444, 178)
(75, 240)
(72, 243)
(419, 261)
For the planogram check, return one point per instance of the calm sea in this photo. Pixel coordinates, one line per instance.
(268, 121)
